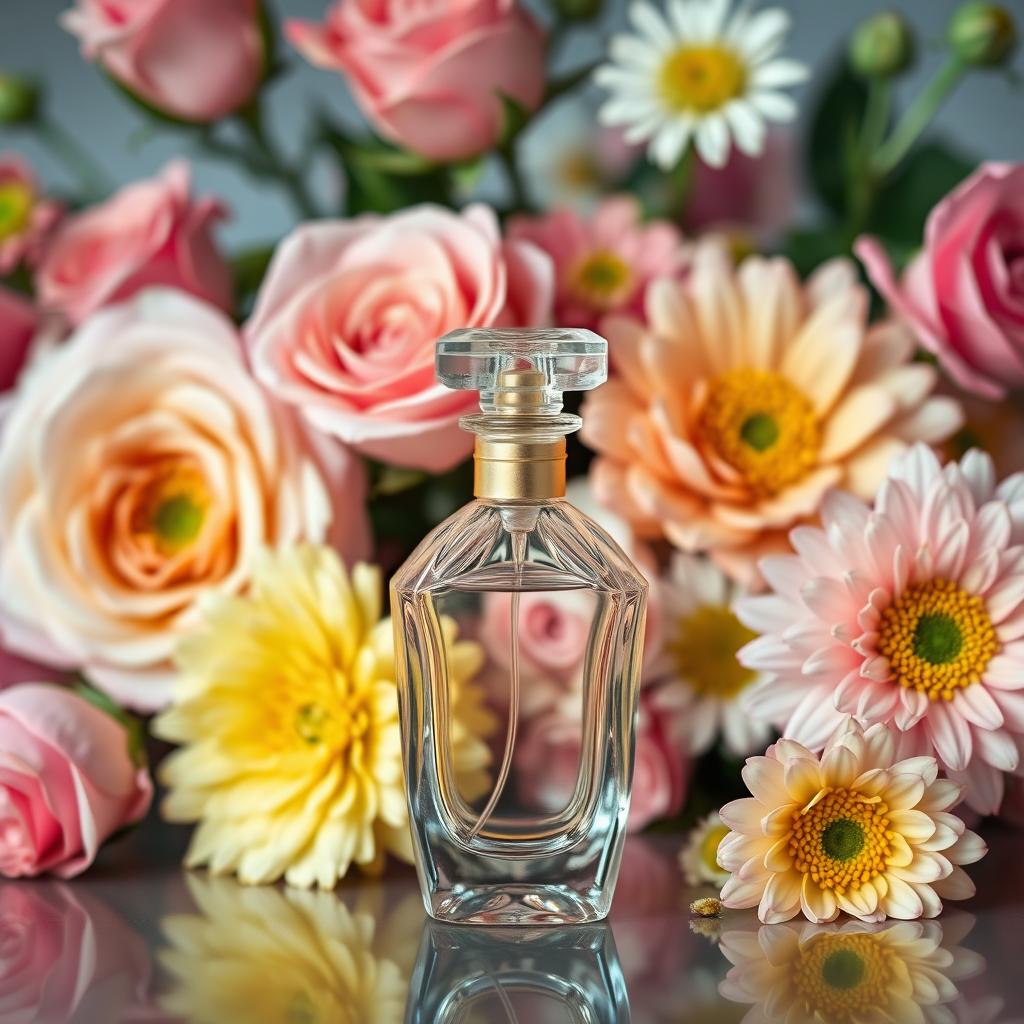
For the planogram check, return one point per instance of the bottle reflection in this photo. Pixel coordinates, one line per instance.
(474, 975)
(899, 971)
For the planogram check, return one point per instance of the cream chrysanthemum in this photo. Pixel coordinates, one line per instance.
(902, 973)
(264, 956)
(698, 72)
(855, 832)
(288, 708)
(699, 856)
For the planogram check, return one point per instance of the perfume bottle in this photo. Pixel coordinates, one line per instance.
(523, 844)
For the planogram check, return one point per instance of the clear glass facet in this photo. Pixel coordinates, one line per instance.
(558, 608)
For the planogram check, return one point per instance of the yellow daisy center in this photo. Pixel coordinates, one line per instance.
(601, 279)
(938, 638)
(762, 426)
(700, 79)
(841, 839)
(703, 650)
(841, 978)
(578, 170)
(16, 200)
(709, 847)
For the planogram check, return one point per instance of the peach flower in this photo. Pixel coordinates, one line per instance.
(67, 781)
(603, 262)
(746, 397)
(196, 60)
(345, 323)
(431, 77)
(26, 217)
(140, 467)
(150, 233)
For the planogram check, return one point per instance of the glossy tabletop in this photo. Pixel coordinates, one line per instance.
(139, 939)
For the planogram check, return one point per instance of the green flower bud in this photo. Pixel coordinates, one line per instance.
(982, 34)
(19, 99)
(882, 46)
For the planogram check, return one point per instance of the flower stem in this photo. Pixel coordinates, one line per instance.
(917, 118)
(91, 177)
(508, 157)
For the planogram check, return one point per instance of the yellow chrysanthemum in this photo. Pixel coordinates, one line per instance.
(265, 956)
(287, 707)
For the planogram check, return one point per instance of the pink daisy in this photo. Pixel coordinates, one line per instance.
(910, 614)
(602, 262)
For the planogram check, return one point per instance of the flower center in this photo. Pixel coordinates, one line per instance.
(938, 638)
(840, 839)
(172, 510)
(842, 978)
(16, 200)
(699, 79)
(709, 847)
(704, 649)
(601, 279)
(762, 426)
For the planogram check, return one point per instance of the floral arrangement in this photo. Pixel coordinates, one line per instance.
(210, 462)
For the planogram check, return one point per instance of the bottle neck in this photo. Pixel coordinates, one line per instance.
(510, 470)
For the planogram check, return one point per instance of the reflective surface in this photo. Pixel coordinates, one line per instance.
(140, 940)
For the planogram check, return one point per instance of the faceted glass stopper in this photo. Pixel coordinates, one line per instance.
(522, 369)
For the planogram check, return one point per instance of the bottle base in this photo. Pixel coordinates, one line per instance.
(518, 905)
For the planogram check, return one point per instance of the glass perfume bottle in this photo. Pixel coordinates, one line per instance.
(559, 610)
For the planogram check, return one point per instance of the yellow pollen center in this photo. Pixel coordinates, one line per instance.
(577, 170)
(173, 510)
(703, 650)
(762, 426)
(16, 200)
(841, 839)
(843, 978)
(709, 847)
(700, 79)
(938, 638)
(602, 279)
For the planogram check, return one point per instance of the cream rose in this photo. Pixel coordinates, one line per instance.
(141, 466)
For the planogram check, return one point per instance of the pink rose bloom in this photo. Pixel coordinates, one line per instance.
(26, 218)
(964, 293)
(18, 323)
(347, 316)
(197, 60)
(67, 781)
(604, 261)
(430, 77)
(150, 233)
(141, 467)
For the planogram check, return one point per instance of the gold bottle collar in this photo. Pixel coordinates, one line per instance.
(510, 470)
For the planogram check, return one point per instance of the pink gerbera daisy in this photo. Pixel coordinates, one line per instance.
(910, 614)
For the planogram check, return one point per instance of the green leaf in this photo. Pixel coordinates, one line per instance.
(134, 731)
(515, 119)
(808, 249)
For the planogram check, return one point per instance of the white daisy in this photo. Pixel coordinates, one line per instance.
(693, 657)
(701, 72)
(699, 856)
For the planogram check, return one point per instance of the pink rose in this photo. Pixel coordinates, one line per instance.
(964, 293)
(141, 467)
(431, 77)
(197, 60)
(26, 218)
(67, 781)
(604, 261)
(149, 233)
(18, 323)
(347, 316)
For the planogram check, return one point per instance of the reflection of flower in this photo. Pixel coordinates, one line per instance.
(857, 831)
(746, 397)
(289, 706)
(699, 74)
(695, 660)
(266, 956)
(66, 956)
(141, 466)
(854, 974)
(26, 218)
(699, 855)
(603, 260)
(911, 614)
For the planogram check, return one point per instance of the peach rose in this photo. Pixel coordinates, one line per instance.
(26, 217)
(345, 323)
(431, 77)
(964, 293)
(149, 233)
(67, 781)
(140, 467)
(196, 60)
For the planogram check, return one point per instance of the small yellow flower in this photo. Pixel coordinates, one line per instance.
(287, 708)
(699, 856)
